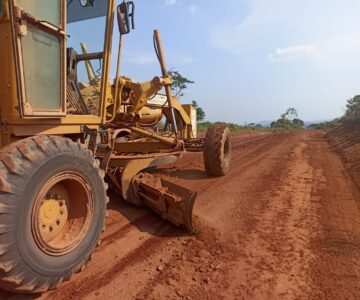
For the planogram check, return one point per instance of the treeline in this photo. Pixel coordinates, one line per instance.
(325, 125)
(203, 126)
(352, 115)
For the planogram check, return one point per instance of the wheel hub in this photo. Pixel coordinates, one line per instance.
(53, 215)
(62, 213)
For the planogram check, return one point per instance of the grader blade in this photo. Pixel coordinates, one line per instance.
(173, 202)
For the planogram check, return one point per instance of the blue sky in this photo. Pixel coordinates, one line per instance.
(250, 59)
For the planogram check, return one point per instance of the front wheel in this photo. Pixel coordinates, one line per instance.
(217, 150)
(52, 211)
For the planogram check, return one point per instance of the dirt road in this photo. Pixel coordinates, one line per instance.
(285, 223)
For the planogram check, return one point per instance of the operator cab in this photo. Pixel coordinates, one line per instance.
(83, 69)
(83, 92)
(57, 75)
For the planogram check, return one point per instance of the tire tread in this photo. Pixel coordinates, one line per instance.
(17, 159)
(213, 147)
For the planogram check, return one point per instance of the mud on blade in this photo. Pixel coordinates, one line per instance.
(173, 202)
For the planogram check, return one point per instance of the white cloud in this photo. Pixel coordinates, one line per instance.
(193, 9)
(170, 2)
(327, 31)
(292, 52)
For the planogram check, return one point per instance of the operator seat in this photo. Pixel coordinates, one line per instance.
(74, 101)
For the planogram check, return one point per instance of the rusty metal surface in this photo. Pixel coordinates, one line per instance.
(171, 201)
(194, 145)
(134, 167)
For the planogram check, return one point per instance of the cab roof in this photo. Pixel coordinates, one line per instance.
(76, 13)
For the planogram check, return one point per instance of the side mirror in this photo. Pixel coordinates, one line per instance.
(125, 14)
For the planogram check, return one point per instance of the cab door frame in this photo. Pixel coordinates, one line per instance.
(20, 20)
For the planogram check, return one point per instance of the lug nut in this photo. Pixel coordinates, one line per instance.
(57, 222)
(51, 228)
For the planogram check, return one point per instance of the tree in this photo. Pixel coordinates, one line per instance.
(297, 123)
(180, 83)
(353, 109)
(288, 120)
(290, 114)
(199, 111)
(282, 124)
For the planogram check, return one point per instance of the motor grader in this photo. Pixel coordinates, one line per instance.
(63, 141)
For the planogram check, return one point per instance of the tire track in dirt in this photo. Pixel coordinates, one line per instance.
(184, 271)
(86, 285)
(240, 190)
(197, 269)
(230, 215)
(189, 265)
(118, 233)
(160, 277)
(275, 249)
(190, 170)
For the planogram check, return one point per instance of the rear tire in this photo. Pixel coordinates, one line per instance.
(35, 174)
(217, 150)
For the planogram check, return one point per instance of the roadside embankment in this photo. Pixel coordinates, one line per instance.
(346, 141)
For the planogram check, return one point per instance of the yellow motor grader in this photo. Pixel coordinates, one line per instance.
(64, 141)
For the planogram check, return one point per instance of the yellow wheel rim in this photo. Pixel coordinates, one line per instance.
(53, 215)
(62, 213)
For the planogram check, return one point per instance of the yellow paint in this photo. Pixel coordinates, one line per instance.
(49, 211)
